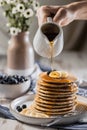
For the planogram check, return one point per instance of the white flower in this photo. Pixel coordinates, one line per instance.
(36, 5)
(14, 10)
(2, 2)
(20, 8)
(11, 1)
(28, 13)
(8, 24)
(14, 31)
(4, 13)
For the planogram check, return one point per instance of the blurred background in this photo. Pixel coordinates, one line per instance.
(75, 40)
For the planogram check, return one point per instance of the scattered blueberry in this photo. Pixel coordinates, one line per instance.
(24, 106)
(19, 109)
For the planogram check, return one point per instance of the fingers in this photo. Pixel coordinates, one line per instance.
(60, 16)
(44, 12)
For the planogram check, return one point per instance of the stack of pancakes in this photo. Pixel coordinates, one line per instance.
(56, 93)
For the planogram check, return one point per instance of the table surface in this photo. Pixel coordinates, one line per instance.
(70, 61)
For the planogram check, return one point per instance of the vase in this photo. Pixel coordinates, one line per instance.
(20, 55)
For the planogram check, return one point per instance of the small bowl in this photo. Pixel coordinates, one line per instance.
(12, 91)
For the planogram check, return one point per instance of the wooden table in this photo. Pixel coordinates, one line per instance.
(70, 61)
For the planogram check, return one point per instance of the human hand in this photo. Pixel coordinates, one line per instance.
(63, 15)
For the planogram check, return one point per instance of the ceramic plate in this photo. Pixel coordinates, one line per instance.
(79, 113)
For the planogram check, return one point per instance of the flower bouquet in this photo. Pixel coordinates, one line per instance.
(20, 54)
(19, 14)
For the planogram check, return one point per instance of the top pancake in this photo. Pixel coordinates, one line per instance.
(46, 78)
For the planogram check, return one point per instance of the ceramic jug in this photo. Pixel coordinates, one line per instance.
(48, 32)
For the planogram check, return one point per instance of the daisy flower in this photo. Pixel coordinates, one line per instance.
(20, 7)
(36, 5)
(2, 2)
(28, 13)
(14, 31)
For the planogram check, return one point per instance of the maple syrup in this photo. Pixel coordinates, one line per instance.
(50, 31)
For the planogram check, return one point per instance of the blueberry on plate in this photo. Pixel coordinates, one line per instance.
(24, 106)
(18, 108)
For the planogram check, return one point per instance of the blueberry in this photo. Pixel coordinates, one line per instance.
(16, 82)
(48, 72)
(1, 76)
(15, 76)
(22, 77)
(24, 106)
(6, 79)
(18, 78)
(21, 80)
(2, 82)
(26, 79)
(19, 109)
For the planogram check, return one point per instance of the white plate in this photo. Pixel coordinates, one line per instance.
(78, 115)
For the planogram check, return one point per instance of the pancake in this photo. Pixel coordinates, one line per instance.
(56, 91)
(48, 79)
(52, 110)
(53, 113)
(48, 106)
(59, 103)
(58, 88)
(52, 85)
(57, 99)
(56, 96)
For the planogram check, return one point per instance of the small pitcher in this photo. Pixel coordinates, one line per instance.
(46, 33)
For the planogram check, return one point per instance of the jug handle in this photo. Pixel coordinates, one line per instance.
(49, 19)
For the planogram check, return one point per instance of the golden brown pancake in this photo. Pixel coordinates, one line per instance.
(53, 85)
(55, 106)
(48, 79)
(70, 87)
(56, 96)
(56, 91)
(52, 112)
(56, 99)
(39, 100)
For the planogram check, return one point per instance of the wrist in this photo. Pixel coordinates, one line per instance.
(73, 9)
(76, 9)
